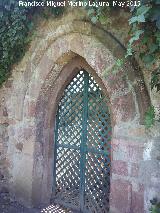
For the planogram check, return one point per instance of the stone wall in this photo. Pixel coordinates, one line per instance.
(4, 163)
(28, 102)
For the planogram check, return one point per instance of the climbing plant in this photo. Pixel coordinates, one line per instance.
(144, 33)
(145, 37)
(155, 206)
(144, 41)
(16, 25)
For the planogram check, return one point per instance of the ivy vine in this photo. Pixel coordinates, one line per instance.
(16, 25)
(145, 37)
(144, 41)
(155, 206)
(144, 34)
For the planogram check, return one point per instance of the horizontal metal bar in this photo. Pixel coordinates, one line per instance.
(68, 146)
(91, 150)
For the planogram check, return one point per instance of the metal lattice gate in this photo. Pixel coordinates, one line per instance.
(82, 147)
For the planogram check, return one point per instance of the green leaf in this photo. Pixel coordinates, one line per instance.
(155, 12)
(129, 51)
(140, 14)
(90, 12)
(120, 62)
(133, 20)
(158, 23)
(141, 18)
(145, 39)
(153, 48)
(157, 35)
(148, 59)
(94, 19)
(138, 19)
(103, 19)
(155, 80)
(142, 10)
(136, 36)
(149, 117)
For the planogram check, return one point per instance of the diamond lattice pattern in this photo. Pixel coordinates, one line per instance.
(89, 180)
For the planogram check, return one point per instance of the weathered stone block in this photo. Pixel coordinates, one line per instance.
(119, 167)
(135, 154)
(116, 83)
(123, 108)
(120, 197)
(120, 150)
(137, 202)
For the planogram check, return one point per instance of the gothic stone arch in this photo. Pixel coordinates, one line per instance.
(51, 66)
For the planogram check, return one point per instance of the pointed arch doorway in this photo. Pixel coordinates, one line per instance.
(82, 147)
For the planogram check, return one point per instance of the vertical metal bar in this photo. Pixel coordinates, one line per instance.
(55, 153)
(84, 140)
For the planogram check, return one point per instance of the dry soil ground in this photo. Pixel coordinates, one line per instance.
(7, 205)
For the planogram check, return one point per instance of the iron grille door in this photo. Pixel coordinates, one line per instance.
(82, 147)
